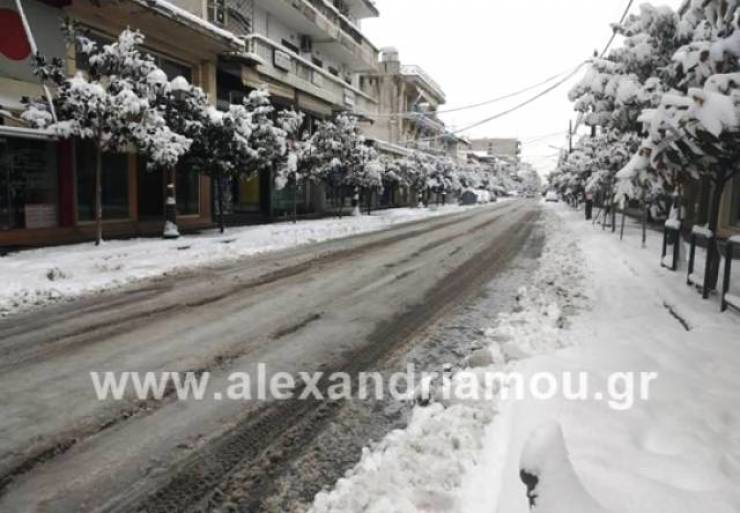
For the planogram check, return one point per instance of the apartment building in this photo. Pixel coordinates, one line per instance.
(312, 57)
(509, 149)
(409, 100)
(47, 185)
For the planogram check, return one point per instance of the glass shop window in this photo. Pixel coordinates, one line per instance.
(114, 181)
(28, 184)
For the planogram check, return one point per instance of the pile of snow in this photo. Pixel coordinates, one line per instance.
(38, 277)
(553, 485)
(676, 451)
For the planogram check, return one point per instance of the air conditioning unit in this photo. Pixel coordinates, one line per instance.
(306, 44)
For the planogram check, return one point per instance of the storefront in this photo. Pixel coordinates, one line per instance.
(47, 186)
(29, 180)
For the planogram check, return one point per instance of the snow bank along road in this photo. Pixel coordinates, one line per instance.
(343, 305)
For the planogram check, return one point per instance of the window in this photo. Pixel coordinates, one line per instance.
(187, 190)
(174, 69)
(114, 181)
(334, 71)
(290, 46)
(152, 191)
(217, 12)
(317, 62)
(28, 184)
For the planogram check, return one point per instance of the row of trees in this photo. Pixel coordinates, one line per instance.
(123, 101)
(664, 109)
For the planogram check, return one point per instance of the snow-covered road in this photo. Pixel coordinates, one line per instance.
(347, 304)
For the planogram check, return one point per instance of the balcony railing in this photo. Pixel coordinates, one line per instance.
(336, 17)
(418, 71)
(307, 77)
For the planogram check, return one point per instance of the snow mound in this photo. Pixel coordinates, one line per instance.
(553, 485)
(412, 470)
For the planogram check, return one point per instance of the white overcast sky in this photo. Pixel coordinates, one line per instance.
(482, 49)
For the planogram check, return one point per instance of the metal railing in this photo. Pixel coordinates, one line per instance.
(699, 232)
(672, 237)
(727, 298)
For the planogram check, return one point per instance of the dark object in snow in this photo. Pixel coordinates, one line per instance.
(530, 481)
(728, 299)
(671, 237)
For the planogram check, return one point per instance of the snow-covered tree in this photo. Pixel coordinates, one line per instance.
(110, 104)
(341, 158)
(695, 132)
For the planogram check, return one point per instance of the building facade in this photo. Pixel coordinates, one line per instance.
(409, 100)
(47, 185)
(509, 149)
(311, 55)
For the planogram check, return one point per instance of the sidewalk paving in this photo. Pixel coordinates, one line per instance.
(38, 277)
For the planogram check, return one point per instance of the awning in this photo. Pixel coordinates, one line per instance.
(311, 104)
(27, 133)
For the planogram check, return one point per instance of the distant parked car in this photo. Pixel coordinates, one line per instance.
(552, 197)
(476, 197)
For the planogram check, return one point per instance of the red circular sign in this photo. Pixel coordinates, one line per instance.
(13, 42)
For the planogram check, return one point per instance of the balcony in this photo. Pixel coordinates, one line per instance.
(289, 68)
(423, 79)
(356, 9)
(336, 35)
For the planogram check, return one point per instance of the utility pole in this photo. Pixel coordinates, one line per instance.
(570, 136)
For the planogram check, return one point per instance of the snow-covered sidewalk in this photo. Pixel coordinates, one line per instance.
(37, 277)
(599, 306)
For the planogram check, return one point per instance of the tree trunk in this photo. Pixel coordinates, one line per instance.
(644, 219)
(98, 196)
(613, 207)
(356, 202)
(170, 208)
(295, 199)
(220, 200)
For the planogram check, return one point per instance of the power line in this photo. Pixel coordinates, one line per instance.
(524, 103)
(511, 110)
(471, 106)
(614, 32)
(534, 98)
(603, 53)
(543, 137)
(506, 97)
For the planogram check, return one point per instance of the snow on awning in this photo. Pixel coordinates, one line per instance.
(27, 133)
(172, 11)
